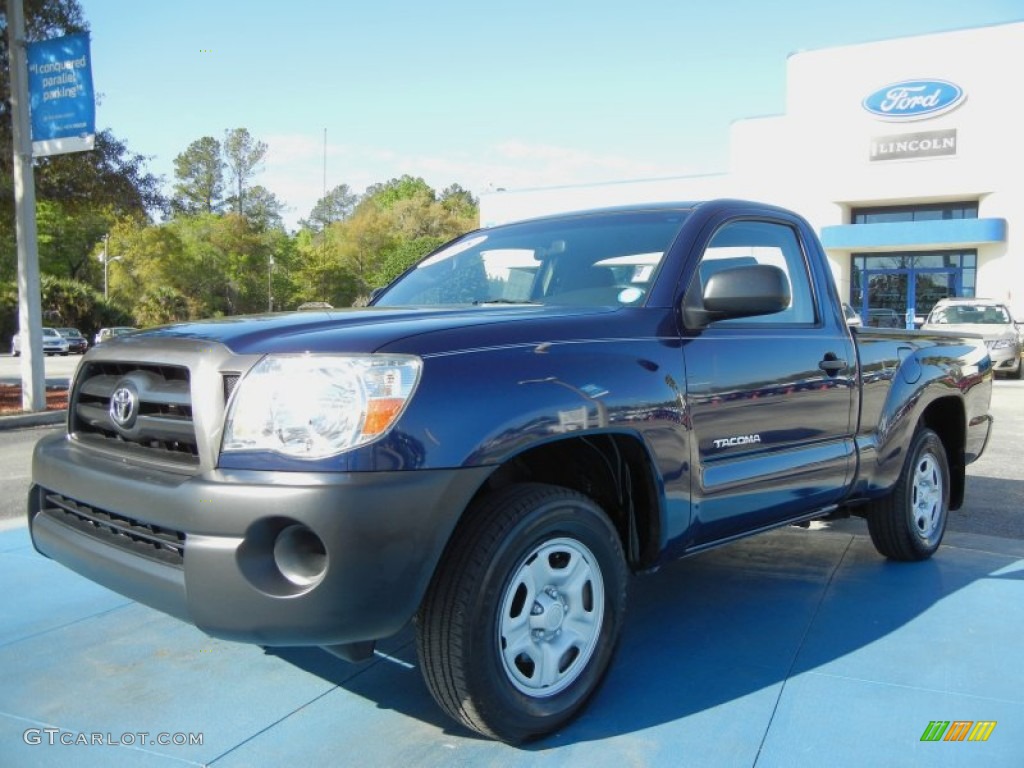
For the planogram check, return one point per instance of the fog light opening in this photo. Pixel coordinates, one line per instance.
(300, 555)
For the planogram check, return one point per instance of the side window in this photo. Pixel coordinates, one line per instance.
(760, 242)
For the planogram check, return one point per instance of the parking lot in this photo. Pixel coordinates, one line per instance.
(796, 648)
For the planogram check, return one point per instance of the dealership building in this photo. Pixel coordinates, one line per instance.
(905, 155)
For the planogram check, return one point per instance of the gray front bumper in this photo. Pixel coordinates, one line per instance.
(383, 532)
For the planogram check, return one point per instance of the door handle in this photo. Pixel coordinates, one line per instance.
(832, 364)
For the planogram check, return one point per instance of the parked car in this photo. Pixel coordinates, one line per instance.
(108, 333)
(77, 343)
(53, 343)
(992, 319)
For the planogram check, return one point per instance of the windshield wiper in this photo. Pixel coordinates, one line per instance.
(504, 301)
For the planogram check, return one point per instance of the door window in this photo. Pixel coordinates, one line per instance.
(742, 243)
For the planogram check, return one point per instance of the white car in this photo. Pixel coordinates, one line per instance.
(991, 319)
(108, 333)
(53, 343)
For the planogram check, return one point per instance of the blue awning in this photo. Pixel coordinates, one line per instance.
(946, 233)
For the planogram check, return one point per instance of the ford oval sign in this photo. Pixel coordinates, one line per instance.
(914, 99)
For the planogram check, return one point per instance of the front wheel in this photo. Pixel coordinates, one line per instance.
(910, 522)
(522, 617)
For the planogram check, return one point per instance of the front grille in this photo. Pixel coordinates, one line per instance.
(158, 423)
(161, 544)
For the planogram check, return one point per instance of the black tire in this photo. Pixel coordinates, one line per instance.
(1020, 370)
(910, 522)
(528, 562)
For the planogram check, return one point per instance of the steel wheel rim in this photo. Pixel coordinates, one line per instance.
(550, 619)
(927, 505)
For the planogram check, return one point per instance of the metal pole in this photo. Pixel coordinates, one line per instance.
(33, 382)
(106, 265)
(270, 285)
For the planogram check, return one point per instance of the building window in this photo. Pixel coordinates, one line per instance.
(910, 282)
(906, 213)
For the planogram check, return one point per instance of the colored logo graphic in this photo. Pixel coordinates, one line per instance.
(914, 99)
(958, 730)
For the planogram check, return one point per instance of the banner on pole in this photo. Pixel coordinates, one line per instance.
(60, 95)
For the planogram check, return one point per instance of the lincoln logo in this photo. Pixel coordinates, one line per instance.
(122, 407)
(729, 442)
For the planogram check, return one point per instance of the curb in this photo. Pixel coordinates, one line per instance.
(43, 418)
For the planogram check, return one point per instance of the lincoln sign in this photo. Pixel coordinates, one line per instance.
(911, 145)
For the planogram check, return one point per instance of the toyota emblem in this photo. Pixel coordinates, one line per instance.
(123, 407)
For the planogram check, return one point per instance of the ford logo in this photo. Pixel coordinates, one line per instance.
(914, 99)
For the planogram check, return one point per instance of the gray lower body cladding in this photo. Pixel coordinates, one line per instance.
(275, 558)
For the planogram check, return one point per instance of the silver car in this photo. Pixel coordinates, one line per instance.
(53, 343)
(992, 320)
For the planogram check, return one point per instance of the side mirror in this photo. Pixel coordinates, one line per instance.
(756, 289)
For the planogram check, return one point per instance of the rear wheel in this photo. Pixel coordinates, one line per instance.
(521, 620)
(910, 522)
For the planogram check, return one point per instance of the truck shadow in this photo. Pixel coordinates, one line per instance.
(713, 629)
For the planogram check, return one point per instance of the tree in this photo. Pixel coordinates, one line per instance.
(390, 192)
(88, 191)
(160, 306)
(68, 240)
(459, 201)
(315, 273)
(263, 209)
(109, 176)
(67, 302)
(243, 155)
(336, 205)
(200, 173)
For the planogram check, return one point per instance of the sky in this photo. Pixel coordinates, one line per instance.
(486, 95)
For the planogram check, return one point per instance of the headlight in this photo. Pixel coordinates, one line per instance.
(313, 406)
(1003, 343)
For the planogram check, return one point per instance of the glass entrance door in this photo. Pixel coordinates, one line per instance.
(886, 295)
(930, 285)
(902, 298)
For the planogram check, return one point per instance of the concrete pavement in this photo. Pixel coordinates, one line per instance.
(796, 648)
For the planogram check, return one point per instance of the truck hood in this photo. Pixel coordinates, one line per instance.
(361, 330)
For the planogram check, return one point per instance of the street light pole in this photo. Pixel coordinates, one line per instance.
(270, 285)
(106, 263)
(33, 380)
(106, 259)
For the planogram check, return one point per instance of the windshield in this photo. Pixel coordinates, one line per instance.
(607, 259)
(969, 314)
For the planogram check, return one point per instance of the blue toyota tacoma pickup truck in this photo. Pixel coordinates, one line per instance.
(529, 415)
